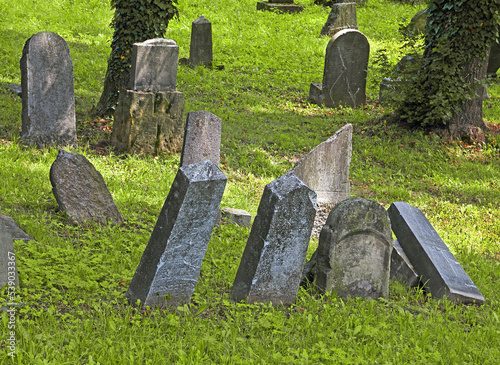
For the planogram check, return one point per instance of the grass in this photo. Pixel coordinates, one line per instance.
(73, 278)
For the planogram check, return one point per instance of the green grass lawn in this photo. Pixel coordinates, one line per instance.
(73, 278)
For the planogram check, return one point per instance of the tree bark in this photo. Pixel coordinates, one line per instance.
(109, 97)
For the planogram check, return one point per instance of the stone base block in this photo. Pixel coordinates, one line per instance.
(236, 216)
(281, 7)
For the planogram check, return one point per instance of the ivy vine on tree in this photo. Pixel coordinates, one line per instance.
(134, 21)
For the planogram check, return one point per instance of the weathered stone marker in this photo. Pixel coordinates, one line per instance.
(401, 268)
(271, 266)
(438, 269)
(342, 16)
(11, 226)
(353, 255)
(48, 97)
(344, 75)
(8, 268)
(80, 190)
(202, 137)
(170, 265)
(200, 51)
(236, 216)
(284, 6)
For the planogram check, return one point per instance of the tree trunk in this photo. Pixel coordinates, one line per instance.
(109, 97)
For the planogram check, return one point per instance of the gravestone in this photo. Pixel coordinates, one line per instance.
(8, 268)
(493, 60)
(401, 268)
(170, 265)
(438, 269)
(202, 137)
(326, 170)
(353, 255)
(154, 65)
(48, 98)
(342, 16)
(10, 225)
(272, 262)
(80, 190)
(283, 6)
(200, 52)
(344, 75)
(237, 216)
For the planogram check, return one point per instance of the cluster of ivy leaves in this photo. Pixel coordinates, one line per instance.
(458, 33)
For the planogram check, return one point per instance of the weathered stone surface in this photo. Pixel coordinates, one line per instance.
(342, 16)
(280, 7)
(331, 2)
(237, 216)
(80, 190)
(147, 122)
(344, 76)
(271, 266)
(438, 269)
(170, 265)
(354, 250)
(401, 268)
(281, 1)
(10, 225)
(202, 137)
(154, 65)
(200, 52)
(418, 22)
(8, 268)
(494, 60)
(48, 97)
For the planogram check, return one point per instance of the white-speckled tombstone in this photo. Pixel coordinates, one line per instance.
(200, 51)
(344, 75)
(353, 255)
(202, 136)
(271, 266)
(170, 265)
(326, 170)
(342, 16)
(48, 97)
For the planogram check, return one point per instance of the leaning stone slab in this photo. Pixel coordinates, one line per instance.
(281, 6)
(440, 272)
(154, 65)
(202, 137)
(48, 112)
(8, 268)
(146, 122)
(80, 190)
(200, 51)
(271, 266)
(170, 265)
(342, 16)
(353, 255)
(401, 268)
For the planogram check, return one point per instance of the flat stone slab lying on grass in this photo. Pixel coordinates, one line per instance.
(439, 270)
(271, 266)
(170, 265)
(282, 6)
(80, 190)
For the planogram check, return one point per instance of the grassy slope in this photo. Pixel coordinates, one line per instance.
(73, 278)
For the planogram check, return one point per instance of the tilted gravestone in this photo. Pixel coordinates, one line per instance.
(80, 190)
(200, 51)
(271, 265)
(202, 137)
(401, 268)
(8, 268)
(149, 116)
(48, 97)
(342, 16)
(353, 255)
(326, 170)
(439, 270)
(344, 75)
(284, 6)
(170, 265)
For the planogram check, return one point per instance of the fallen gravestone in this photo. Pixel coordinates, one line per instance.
(271, 265)
(237, 216)
(170, 265)
(342, 16)
(80, 190)
(200, 51)
(149, 117)
(344, 75)
(284, 6)
(353, 255)
(48, 98)
(440, 272)
(326, 170)
(202, 137)
(401, 268)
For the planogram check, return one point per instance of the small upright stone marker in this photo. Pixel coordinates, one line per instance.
(271, 266)
(344, 75)
(200, 52)
(154, 65)
(48, 97)
(170, 265)
(80, 190)
(202, 137)
(342, 16)
(353, 256)
(438, 269)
